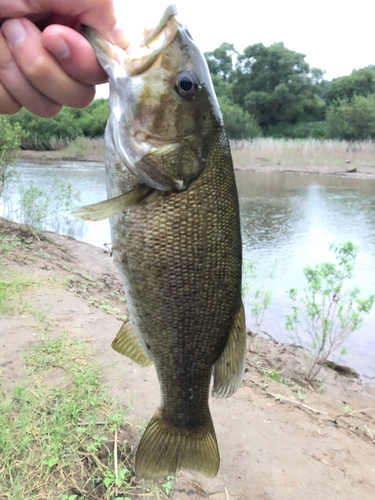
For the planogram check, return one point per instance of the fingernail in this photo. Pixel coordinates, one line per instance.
(14, 32)
(120, 37)
(58, 47)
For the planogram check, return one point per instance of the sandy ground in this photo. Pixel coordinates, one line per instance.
(277, 440)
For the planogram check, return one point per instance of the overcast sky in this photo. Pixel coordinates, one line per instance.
(336, 36)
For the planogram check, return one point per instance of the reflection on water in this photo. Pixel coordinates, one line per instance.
(293, 218)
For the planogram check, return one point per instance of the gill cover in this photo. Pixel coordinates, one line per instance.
(157, 117)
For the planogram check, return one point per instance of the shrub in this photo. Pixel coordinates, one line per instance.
(301, 130)
(326, 313)
(352, 120)
(239, 124)
(39, 208)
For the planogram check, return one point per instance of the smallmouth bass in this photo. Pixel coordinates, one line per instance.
(174, 215)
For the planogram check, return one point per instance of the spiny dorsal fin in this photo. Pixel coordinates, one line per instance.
(165, 449)
(109, 208)
(229, 368)
(128, 344)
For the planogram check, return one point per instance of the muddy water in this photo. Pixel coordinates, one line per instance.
(291, 218)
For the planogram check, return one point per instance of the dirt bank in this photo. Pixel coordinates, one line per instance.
(355, 172)
(279, 438)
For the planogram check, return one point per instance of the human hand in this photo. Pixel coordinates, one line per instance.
(45, 62)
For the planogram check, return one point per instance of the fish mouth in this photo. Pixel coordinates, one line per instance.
(142, 58)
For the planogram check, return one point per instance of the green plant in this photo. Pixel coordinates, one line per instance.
(261, 297)
(41, 209)
(275, 376)
(326, 312)
(47, 429)
(168, 485)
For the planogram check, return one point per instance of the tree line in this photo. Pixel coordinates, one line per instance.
(264, 91)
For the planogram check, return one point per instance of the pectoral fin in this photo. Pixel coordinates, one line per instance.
(128, 344)
(109, 208)
(229, 368)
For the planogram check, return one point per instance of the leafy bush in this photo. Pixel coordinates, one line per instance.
(352, 120)
(39, 208)
(301, 130)
(327, 314)
(43, 133)
(238, 123)
(261, 297)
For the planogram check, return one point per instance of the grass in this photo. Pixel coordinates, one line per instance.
(269, 151)
(58, 438)
(12, 289)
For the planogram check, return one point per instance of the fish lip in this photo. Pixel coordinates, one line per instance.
(142, 59)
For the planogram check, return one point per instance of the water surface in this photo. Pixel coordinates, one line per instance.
(289, 217)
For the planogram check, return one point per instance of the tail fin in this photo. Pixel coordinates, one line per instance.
(164, 449)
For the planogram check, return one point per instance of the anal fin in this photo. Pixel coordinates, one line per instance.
(230, 367)
(128, 344)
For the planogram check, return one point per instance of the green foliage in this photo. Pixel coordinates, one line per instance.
(300, 130)
(352, 120)
(360, 83)
(327, 313)
(261, 297)
(39, 208)
(44, 132)
(168, 485)
(57, 132)
(45, 428)
(93, 119)
(277, 85)
(220, 60)
(10, 141)
(238, 123)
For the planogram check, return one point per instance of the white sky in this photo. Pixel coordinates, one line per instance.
(336, 36)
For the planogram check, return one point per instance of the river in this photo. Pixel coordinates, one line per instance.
(291, 218)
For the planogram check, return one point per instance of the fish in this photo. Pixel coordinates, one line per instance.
(175, 227)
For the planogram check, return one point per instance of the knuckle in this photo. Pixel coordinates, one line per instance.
(38, 69)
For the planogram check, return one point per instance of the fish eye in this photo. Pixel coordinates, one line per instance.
(187, 84)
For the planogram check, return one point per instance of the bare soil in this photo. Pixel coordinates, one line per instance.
(278, 439)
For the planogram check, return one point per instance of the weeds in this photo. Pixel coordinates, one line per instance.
(328, 314)
(260, 298)
(58, 439)
(40, 208)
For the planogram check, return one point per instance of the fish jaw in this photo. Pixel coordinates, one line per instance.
(160, 138)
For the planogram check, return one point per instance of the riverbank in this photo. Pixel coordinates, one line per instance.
(279, 437)
(353, 170)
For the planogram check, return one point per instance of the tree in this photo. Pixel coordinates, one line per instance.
(352, 120)
(43, 132)
(358, 83)
(93, 119)
(220, 61)
(277, 85)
